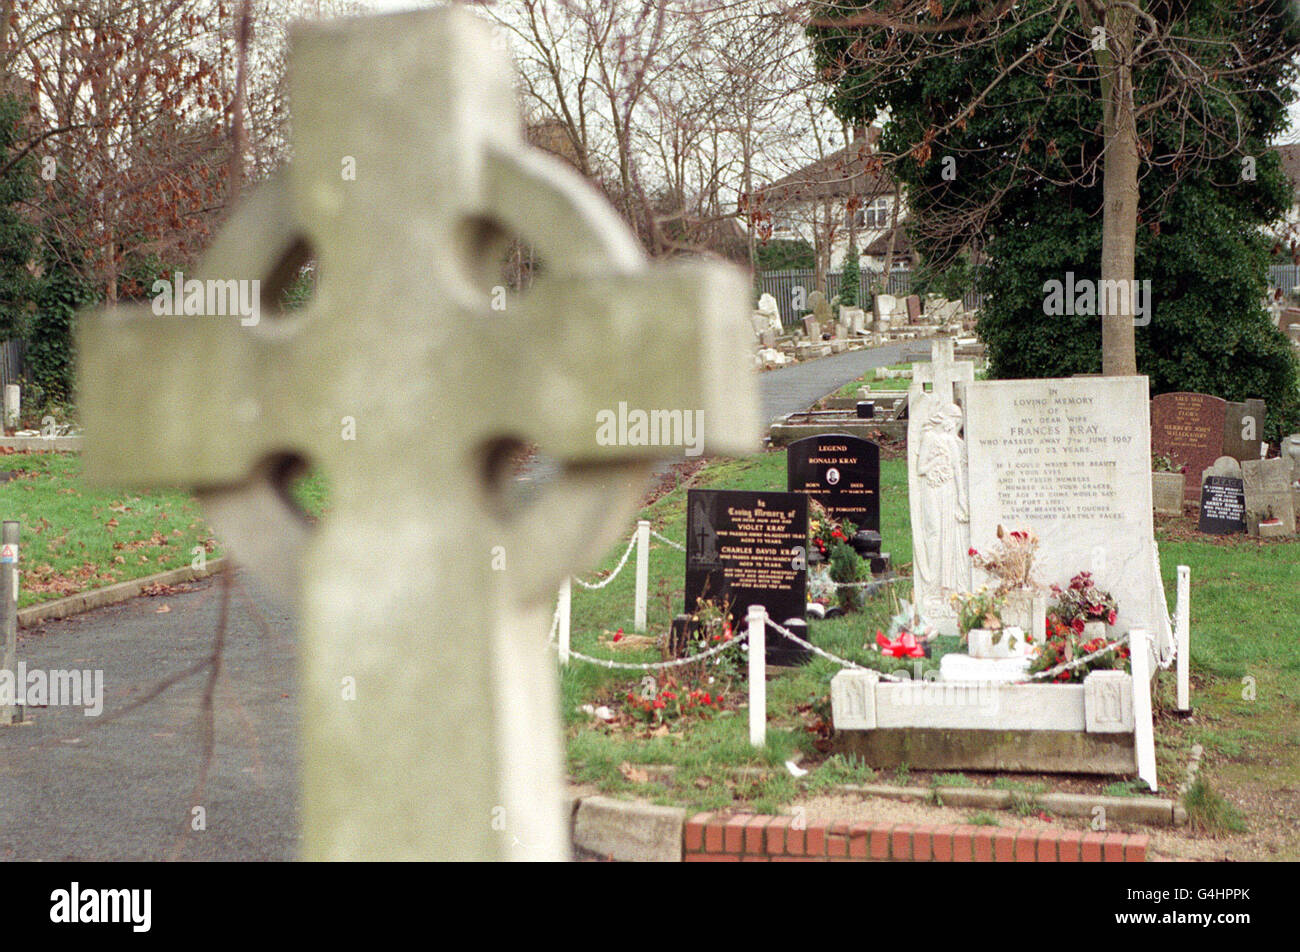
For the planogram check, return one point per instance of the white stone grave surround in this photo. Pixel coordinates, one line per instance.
(1102, 704)
(451, 748)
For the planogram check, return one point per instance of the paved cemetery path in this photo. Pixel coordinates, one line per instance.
(122, 791)
(791, 389)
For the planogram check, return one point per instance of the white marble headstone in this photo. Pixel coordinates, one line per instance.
(1071, 459)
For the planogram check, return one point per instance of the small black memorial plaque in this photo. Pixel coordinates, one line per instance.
(1223, 505)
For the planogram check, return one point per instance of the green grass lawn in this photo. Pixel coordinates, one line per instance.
(851, 388)
(75, 538)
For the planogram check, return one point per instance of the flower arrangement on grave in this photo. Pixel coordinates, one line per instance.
(979, 609)
(909, 633)
(1062, 643)
(825, 532)
(1010, 561)
(671, 702)
(712, 629)
(1166, 463)
(1083, 602)
(904, 646)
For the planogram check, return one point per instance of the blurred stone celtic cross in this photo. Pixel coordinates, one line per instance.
(451, 748)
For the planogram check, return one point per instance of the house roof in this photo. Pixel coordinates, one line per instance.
(845, 172)
(902, 246)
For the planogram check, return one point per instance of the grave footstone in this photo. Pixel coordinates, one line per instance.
(1190, 427)
(747, 548)
(841, 472)
(449, 746)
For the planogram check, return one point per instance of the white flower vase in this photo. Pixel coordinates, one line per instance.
(1095, 629)
(1010, 644)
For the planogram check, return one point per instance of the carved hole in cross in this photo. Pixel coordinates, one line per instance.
(498, 263)
(513, 474)
(292, 283)
(300, 485)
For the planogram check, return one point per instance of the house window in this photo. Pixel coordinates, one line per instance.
(876, 215)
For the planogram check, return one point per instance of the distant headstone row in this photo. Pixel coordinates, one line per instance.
(1196, 429)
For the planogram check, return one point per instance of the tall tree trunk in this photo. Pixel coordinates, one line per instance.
(1119, 188)
(893, 237)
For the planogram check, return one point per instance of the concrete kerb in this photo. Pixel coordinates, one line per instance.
(112, 594)
(42, 444)
(629, 831)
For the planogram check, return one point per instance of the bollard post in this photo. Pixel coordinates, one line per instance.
(642, 573)
(1182, 624)
(757, 646)
(12, 712)
(566, 596)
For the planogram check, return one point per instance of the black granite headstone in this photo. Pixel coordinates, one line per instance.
(747, 548)
(1223, 505)
(841, 472)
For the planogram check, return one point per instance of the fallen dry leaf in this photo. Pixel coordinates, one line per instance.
(162, 609)
(633, 774)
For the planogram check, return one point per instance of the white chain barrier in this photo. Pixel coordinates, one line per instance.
(1077, 662)
(668, 542)
(659, 665)
(631, 543)
(1041, 675)
(843, 663)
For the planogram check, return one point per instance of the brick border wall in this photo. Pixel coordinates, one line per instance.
(714, 838)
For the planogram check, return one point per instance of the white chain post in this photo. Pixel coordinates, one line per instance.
(1182, 624)
(642, 573)
(757, 675)
(566, 596)
(1143, 735)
